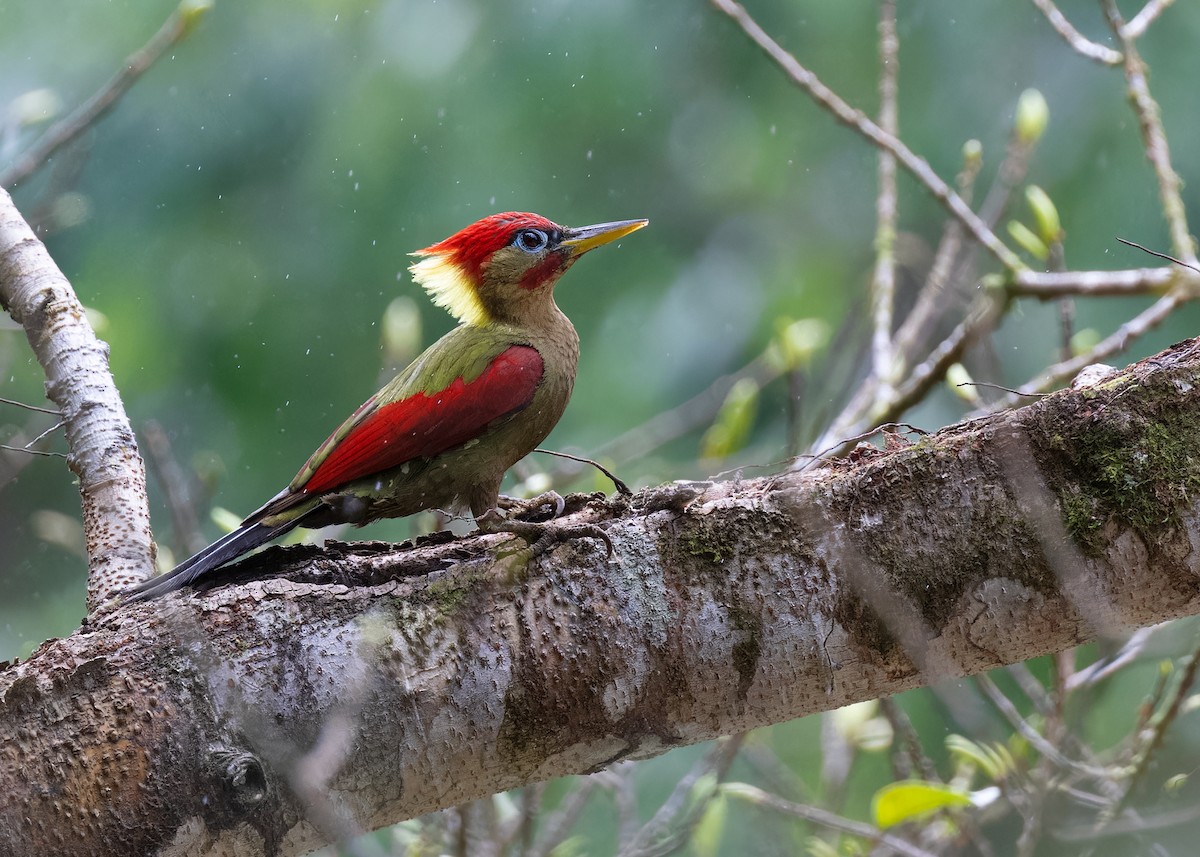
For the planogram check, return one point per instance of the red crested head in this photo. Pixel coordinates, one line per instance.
(472, 248)
(504, 266)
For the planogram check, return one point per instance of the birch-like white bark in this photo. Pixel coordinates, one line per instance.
(102, 453)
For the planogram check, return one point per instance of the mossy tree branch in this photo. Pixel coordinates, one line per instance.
(358, 686)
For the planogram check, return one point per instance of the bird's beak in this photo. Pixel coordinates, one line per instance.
(579, 240)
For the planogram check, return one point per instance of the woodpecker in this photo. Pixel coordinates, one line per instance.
(445, 430)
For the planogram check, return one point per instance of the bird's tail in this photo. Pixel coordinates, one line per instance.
(245, 538)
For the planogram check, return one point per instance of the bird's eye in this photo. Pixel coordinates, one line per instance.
(531, 240)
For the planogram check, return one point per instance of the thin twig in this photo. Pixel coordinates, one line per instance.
(1036, 740)
(1157, 731)
(1078, 41)
(917, 166)
(883, 284)
(180, 503)
(8, 448)
(1101, 670)
(1119, 340)
(990, 386)
(1031, 687)
(1154, 138)
(175, 28)
(624, 798)
(1159, 255)
(531, 808)
(697, 411)
(1138, 23)
(40, 410)
(784, 781)
(1056, 263)
(909, 739)
(931, 303)
(556, 827)
(678, 815)
(44, 434)
(621, 487)
(758, 797)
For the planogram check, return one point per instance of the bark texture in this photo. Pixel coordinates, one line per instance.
(103, 451)
(360, 685)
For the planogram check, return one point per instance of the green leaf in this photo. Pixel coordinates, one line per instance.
(907, 800)
(1045, 214)
(734, 421)
(796, 342)
(1085, 340)
(995, 760)
(1029, 241)
(706, 838)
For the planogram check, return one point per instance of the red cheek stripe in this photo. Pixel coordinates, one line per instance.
(542, 272)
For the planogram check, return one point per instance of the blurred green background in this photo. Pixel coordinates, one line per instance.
(242, 218)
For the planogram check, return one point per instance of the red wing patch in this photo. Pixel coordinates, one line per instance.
(425, 425)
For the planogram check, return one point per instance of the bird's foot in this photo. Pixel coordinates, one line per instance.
(540, 537)
(533, 507)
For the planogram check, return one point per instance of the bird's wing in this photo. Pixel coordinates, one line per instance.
(399, 424)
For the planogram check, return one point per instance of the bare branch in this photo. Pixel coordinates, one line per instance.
(1077, 40)
(1134, 281)
(883, 284)
(1152, 738)
(175, 28)
(1154, 138)
(1033, 736)
(557, 826)
(919, 382)
(917, 166)
(103, 451)
(932, 303)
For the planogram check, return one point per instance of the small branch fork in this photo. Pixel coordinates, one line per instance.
(1080, 43)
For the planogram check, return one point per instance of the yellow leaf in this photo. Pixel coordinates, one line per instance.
(906, 800)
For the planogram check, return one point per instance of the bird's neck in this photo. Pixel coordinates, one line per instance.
(546, 328)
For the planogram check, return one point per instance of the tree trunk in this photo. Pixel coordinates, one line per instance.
(352, 687)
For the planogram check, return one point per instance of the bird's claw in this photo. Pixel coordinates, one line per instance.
(541, 537)
(517, 508)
